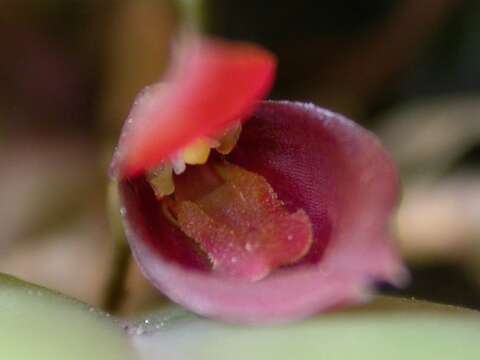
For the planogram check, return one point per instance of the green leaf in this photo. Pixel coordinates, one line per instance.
(388, 329)
(39, 324)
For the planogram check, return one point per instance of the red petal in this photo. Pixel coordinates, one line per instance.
(211, 85)
(315, 160)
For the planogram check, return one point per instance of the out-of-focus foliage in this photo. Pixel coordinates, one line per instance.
(36, 323)
(54, 229)
(429, 136)
(387, 329)
(136, 51)
(435, 142)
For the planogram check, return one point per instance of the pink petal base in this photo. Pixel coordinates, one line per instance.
(315, 160)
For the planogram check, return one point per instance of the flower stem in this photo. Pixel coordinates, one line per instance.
(115, 288)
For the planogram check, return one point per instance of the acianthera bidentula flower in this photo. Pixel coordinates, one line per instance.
(251, 211)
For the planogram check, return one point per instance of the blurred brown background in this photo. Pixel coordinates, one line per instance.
(69, 69)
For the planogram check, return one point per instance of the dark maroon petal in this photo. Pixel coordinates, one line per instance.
(315, 160)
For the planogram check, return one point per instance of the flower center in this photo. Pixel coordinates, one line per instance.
(197, 153)
(232, 214)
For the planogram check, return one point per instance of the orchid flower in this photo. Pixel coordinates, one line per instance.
(251, 211)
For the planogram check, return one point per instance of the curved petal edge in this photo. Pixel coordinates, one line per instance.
(315, 160)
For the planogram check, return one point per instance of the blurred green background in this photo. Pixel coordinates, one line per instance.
(69, 69)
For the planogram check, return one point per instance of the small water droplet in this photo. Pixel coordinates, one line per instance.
(123, 211)
(290, 237)
(147, 321)
(234, 259)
